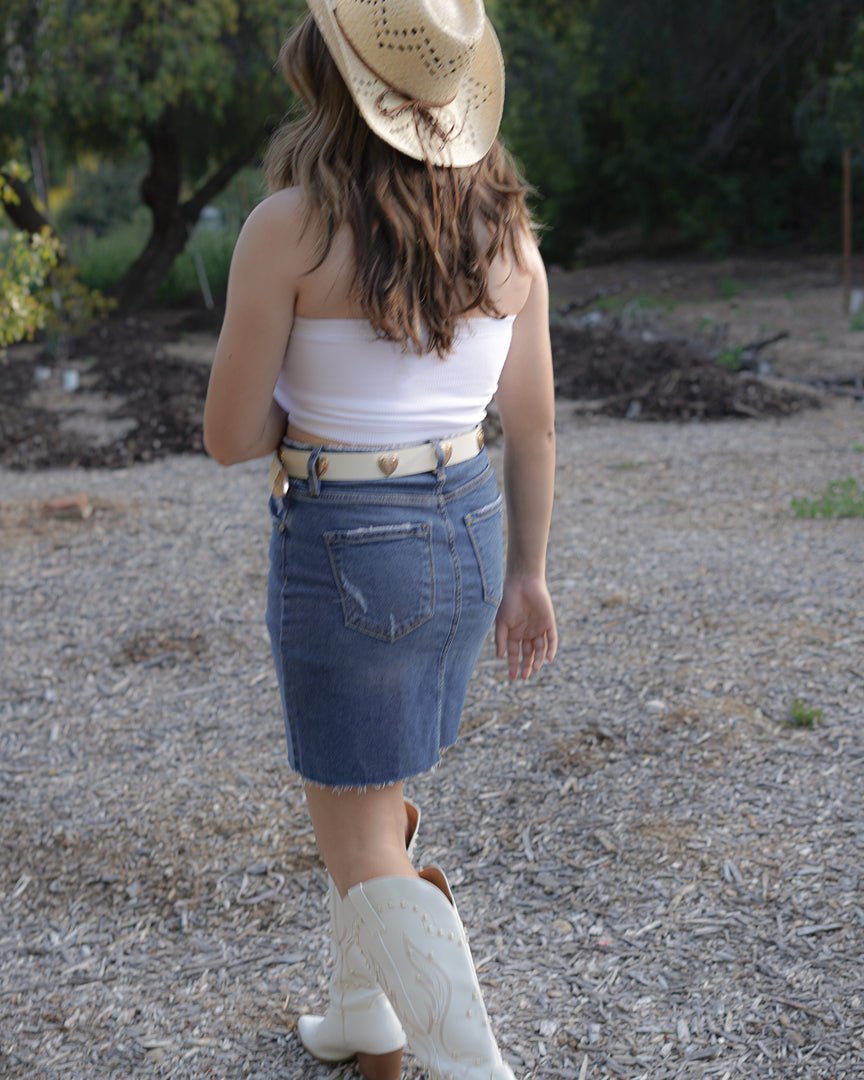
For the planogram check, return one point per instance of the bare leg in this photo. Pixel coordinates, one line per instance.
(361, 835)
(400, 916)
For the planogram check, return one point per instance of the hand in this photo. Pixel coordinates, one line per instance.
(525, 630)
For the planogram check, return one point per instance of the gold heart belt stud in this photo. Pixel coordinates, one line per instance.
(388, 463)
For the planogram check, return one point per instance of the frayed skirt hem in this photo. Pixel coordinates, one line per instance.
(368, 785)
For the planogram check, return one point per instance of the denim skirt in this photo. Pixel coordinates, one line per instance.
(380, 596)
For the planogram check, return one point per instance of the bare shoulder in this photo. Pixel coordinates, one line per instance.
(529, 251)
(282, 209)
(528, 276)
(277, 228)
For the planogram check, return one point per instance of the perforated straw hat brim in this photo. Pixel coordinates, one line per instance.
(400, 42)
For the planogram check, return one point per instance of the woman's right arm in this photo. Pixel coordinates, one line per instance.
(525, 630)
(241, 419)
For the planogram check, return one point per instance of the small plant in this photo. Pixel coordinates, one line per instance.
(841, 499)
(627, 466)
(646, 302)
(729, 288)
(730, 358)
(610, 303)
(856, 323)
(802, 715)
(857, 447)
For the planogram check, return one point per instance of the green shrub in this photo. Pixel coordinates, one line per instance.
(802, 715)
(841, 499)
(107, 258)
(106, 228)
(730, 358)
(102, 260)
(729, 288)
(214, 246)
(26, 263)
(103, 197)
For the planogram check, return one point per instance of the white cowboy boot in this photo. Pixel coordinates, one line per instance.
(360, 1021)
(411, 934)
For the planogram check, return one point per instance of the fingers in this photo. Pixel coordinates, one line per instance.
(527, 657)
(541, 652)
(513, 649)
(551, 643)
(535, 652)
(501, 635)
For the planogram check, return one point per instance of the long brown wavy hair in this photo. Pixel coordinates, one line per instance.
(424, 236)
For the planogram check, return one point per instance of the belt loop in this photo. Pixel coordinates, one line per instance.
(441, 459)
(313, 472)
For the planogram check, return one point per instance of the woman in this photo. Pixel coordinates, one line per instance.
(376, 301)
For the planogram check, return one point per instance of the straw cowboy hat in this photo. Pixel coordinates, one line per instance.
(426, 75)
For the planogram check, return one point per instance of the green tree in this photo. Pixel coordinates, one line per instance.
(191, 80)
(550, 73)
(676, 116)
(26, 261)
(691, 122)
(832, 119)
(833, 113)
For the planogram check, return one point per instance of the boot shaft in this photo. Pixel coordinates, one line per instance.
(410, 932)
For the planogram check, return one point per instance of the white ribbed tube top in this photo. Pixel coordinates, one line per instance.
(341, 382)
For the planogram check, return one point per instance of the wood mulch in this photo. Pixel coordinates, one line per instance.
(660, 876)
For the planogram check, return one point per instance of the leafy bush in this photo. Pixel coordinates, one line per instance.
(841, 499)
(104, 195)
(214, 247)
(102, 260)
(25, 265)
(106, 258)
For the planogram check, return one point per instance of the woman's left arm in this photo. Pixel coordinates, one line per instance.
(241, 419)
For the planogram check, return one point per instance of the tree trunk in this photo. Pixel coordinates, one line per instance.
(173, 220)
(139, 285)
(39, 161)
(160, 191)
(25, 214)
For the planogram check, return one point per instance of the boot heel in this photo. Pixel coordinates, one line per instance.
(380, 1066)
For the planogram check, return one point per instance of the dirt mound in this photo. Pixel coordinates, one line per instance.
(629, 376)
(134, 402)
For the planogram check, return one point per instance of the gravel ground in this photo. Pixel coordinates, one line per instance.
(661, 877)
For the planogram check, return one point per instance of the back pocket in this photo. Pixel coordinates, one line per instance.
(485, 531)
(385, 577)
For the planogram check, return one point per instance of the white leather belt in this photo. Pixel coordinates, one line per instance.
(337, 464)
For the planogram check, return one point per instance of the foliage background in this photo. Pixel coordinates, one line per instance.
(649, 125)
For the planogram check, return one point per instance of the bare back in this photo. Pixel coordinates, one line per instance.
(326, 292)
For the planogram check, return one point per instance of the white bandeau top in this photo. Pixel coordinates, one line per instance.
(342, 382)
